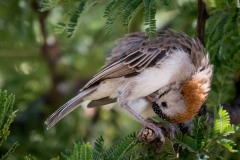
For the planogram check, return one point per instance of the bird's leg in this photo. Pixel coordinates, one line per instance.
(149, 125)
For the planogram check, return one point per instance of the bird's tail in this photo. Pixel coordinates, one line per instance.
(67, 107)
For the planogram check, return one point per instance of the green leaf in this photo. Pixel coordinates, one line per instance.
(119, 148)
(55, 158)
(30, 157)
(222, 124)
(4, 132)
(129, 9)
(149, 17)
(98, 148)
(186, 142)
(10, 151)
(74, 17)
(80, 151)
(7, 114)
(167, 151)
(112, 12)
(165, 2)
(229, 144)
(50, 4)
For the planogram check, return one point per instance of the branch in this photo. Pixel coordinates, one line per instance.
(201, 20)
(50, 53)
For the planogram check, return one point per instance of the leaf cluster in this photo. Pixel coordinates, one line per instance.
(7, 116)
(121, 10)
(83, 151)
(125, 10)
(223, 37)
(205, 141)
(70, 26)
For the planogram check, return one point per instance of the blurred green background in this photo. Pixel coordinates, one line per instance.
(45, 69)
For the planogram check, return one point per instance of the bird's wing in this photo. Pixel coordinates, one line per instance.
(133, 54)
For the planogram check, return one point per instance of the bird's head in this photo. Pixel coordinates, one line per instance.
(181, 104)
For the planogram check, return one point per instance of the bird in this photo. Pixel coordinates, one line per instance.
(169, 76)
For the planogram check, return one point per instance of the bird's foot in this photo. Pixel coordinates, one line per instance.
(150, 133)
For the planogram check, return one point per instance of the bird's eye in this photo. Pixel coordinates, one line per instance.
(164, 104)
(202, 68)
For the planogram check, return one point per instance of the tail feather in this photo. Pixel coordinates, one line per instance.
(67, 108)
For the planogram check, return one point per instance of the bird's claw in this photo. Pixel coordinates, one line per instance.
(150, 133)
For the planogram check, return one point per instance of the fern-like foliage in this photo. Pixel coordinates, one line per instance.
(187, 142)
(222, 124)
(49, 4)
(149, 17)
(73, 20)
(98, 149)
(117, 10)
(125, 10)
(119, 150)
(70, 26)
(122, 10)
(167, 151)
(111, 13)
(80, 151)
(223, 128)
(222, 32)
(129, 9)
(31, 157)
(208, 141)
(7, 116)
(204, 141)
